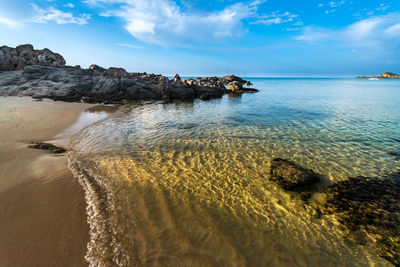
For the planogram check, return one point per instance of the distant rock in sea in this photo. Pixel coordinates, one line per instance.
(25, 71)
(385, 75)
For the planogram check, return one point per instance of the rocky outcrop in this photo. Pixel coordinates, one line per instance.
(24, 55)
(389, 75)
(385, 75)
(370, 209)
(232, 78)
(290, 176)
(43, 74)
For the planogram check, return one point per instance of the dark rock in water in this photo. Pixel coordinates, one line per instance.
(47, 146)
(205, 97)
(290, 176)
(371, 205)
(249, 90)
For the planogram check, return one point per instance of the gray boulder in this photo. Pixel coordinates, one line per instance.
(25, 55)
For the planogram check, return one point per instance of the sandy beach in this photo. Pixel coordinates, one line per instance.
(42, 207)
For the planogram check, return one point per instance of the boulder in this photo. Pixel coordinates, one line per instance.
(291, 176)
(235, 86)
(177, 78)
(205, 97)
(232, 78)
(116, 73)
(95, 67)
(25, 55)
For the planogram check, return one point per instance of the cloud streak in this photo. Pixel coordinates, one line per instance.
(44, 15)
(9, 22)
(373, 33)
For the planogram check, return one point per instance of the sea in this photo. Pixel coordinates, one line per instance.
(187, 183)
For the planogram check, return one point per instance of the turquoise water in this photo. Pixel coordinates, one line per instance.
(187, 183)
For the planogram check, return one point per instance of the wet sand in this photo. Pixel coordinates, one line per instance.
(42, 207)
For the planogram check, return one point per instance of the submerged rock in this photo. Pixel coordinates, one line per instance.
(370, 206)
(291, 176)
(47, 146)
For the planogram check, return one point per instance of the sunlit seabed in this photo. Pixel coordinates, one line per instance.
(187, 183)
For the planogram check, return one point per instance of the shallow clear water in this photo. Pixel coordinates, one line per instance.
(187, 183)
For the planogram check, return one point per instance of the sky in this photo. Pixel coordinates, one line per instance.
(302, 38)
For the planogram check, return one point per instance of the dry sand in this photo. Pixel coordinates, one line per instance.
(42, 208)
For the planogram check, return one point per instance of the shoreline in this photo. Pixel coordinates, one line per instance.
(43, 219)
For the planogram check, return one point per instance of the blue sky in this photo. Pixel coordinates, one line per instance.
(196, 37)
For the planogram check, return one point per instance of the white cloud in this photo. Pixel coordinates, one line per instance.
(164, 22)
(131, 46)
(383, 7)
(378, 32)
(314, 35)
(44, 15)
(336, 4)
(275, 18)
(9, 22)
(70, 5)
(393, 30)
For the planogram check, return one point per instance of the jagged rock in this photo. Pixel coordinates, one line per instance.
(369, 206)
(232, 78)
(25, 55)
(290, 176)
(116, 73)
(43, 74)
(235, 86)
(177, 78)
(95, 67)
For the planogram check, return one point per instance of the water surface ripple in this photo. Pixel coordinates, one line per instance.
(187, 183)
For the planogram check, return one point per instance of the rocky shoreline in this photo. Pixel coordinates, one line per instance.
(25, 71)
(385, 75)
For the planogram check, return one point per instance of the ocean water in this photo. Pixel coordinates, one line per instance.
(182, 184)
